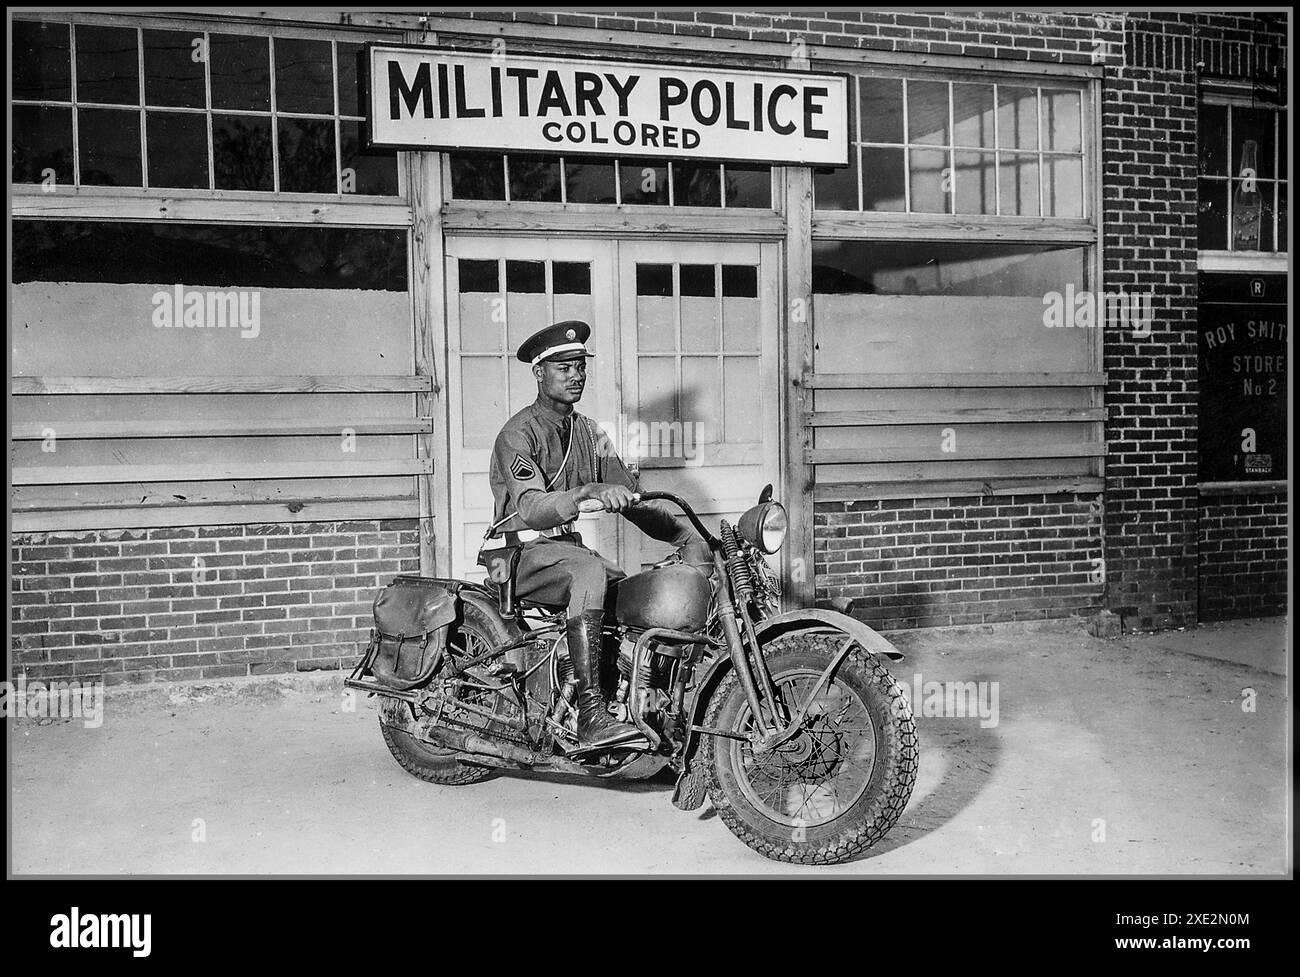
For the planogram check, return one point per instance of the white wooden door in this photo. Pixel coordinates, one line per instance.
(499, 292)
(700, 376)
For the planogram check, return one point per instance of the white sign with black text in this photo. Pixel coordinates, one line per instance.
(422, 98)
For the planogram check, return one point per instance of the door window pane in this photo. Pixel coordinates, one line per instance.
(741, 412)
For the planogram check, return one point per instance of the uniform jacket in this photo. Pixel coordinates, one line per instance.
(526, 477)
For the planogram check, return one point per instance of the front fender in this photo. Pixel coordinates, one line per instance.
(822, 619)
(799, 620)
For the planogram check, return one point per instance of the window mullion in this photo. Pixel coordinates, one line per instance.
(338, 126)
(907, 151)
(275, 124)
(76, 126)
(207, 109)
(144, 141)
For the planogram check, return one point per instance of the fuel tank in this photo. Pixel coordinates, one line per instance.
(674, 596)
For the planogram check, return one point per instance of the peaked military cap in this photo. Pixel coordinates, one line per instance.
(565, 340)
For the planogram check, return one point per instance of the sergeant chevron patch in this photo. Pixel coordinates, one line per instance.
(521, 467)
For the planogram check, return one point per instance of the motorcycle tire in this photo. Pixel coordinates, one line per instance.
(836, 788)
(479, 627)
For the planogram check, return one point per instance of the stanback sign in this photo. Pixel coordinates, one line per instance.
(422, 98)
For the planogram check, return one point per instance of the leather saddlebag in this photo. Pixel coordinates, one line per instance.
(412, 618)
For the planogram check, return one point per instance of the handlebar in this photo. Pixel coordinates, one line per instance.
(593, 505)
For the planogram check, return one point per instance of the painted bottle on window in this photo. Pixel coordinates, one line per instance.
(1246, 203)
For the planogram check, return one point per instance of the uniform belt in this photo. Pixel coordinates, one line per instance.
(528, 535)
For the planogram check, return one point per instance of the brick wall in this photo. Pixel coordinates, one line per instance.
(208, 602)
(928, 562)
(1243, 556)
(1149, 117)
(1062, 38)
(1149, 240)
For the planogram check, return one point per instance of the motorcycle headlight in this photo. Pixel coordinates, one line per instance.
(765, 526)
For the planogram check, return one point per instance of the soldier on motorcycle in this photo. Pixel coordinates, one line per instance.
(546, 460)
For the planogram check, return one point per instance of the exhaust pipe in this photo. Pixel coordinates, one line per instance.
(464, 741)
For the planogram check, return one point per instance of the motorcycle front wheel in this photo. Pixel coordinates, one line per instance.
(835, 788)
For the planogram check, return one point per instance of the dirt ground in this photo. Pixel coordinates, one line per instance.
(1127, 756)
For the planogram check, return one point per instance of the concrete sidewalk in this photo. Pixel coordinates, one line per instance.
(1162, 753)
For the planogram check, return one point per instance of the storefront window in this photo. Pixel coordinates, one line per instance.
(1242, 191)
(954, 147)
(190, 109)
(601, 180)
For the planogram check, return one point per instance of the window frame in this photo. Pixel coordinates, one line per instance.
(1227, 259)
(209, 26)
(1086, 82)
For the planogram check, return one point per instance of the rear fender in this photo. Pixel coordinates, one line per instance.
(806, 619)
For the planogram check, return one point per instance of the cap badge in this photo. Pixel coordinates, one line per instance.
(570, 335)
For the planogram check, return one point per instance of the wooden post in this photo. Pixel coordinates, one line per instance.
(796, 401)
(428, 306)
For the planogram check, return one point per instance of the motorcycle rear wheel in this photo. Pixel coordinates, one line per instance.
(836, 788)
(477, 631)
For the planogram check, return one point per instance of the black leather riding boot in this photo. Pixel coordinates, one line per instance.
(596, 727)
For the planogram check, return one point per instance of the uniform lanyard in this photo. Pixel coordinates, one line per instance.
(546, 485)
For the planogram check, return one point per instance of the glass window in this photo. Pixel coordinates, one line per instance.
(108, 69)
(1242, 190)
(210, 254)
(603, 180)
(206, 111)
(697, 343)
(954, 147)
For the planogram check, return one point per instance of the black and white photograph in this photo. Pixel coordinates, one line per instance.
(703, 443)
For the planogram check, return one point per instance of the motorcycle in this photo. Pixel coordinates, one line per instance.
(790, 723)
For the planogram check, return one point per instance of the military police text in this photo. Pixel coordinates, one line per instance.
(519, 92)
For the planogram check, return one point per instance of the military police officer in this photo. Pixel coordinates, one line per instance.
(547, 459)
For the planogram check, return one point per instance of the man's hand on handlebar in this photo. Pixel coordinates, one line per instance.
(602, 495)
